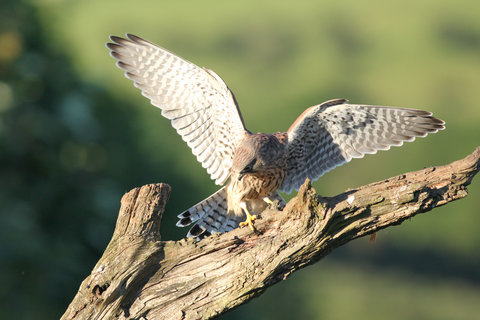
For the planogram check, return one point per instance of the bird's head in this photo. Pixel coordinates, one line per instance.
(256, 154)
(248, 168)
(244, 161)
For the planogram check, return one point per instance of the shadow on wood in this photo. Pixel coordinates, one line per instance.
(141, 277)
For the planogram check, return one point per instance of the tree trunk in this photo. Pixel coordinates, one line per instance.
(141, 277)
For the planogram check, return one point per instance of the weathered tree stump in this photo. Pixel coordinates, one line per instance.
(141, 277)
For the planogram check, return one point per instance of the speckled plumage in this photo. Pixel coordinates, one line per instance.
(204, 112)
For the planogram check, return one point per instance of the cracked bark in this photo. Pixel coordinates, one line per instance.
(141, 277)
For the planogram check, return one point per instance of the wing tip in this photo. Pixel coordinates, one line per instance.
(134, 38)
(112, 46)
(122, 65)
(333, 102)
(118, 42)
(139, 40)
(117, 39)
(438, 123)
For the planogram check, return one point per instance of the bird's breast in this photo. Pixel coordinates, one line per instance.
(255, 186)
(252, 188)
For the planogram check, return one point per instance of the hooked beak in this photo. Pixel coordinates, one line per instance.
(240, 175)
(243, 173)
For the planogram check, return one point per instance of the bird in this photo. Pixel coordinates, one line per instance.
(204, 112)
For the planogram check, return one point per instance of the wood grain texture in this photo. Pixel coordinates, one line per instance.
(141, 277)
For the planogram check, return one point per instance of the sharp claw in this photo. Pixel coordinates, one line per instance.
(249, 222)
(268, 200)
(250, 218)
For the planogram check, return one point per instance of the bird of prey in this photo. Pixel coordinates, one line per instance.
(205, 113)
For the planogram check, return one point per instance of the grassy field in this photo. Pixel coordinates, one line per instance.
(279, 59)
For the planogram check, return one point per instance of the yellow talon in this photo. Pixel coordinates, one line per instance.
(250, 218)
(268, 200)
(249, 221)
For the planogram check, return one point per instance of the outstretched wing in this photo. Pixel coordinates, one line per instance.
(197, 101)
(332, 133)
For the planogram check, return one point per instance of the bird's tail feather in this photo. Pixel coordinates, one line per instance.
(209, 216)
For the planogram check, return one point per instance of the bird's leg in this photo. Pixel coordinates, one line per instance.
(250, 218)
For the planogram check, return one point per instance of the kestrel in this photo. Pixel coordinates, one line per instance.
(205, 113)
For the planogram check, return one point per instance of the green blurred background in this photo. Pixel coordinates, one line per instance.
(75, 135)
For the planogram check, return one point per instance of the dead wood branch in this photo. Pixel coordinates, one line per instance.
(141, 277)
